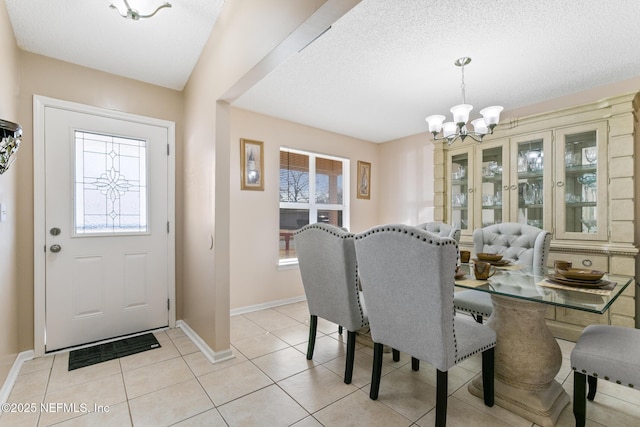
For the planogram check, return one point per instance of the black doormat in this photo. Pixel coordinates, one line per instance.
(111, 350)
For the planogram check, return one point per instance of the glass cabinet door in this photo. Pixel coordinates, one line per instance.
(529, 188)
(581, 182)
(460, 201)
(492, 177)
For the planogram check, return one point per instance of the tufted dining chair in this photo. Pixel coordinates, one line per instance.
(520, 243)
(603, 351)
(441, 229)
(407, 280)
(327, 261)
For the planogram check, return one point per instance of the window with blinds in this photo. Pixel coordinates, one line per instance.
(313, 188)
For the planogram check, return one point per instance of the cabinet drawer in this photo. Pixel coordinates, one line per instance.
(592, 261)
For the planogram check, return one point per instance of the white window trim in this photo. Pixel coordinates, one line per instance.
(345, 207)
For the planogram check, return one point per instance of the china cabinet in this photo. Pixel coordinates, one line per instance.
(571, 172)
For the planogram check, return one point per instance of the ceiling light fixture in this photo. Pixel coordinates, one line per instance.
(134, 14)
(10, 137)
(457, 128)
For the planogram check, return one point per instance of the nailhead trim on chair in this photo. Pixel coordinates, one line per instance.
(316, 227)
(424, 239)
(475, 352)
(595, 374)
(449, 241)
(473, 311)
(343, 235)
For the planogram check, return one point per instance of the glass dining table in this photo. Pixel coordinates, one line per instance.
(527, 356)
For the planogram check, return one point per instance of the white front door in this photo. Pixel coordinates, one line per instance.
(107, 240)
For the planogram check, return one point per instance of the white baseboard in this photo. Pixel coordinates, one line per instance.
(271, 304)
(212, 356)
(5, 391)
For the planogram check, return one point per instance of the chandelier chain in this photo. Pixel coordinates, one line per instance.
(463, 86)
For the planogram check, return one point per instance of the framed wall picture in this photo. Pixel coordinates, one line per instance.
(364, 180)
(252, 165)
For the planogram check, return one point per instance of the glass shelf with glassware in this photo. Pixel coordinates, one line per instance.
(532, 206)
(460, 191)
(580, 169)
(583, 193)
(533, 169)
(581, 204)
(530, 175)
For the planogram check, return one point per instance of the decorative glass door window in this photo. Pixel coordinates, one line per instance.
(111, 189)
(581, 196)
(460, 191)
(530, 157)
(491, 185)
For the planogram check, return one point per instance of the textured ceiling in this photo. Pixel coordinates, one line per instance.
(161, 50)
(379, 70)
(386, 65)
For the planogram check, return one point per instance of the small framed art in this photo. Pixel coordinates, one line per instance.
(364, 180)
(252, 165)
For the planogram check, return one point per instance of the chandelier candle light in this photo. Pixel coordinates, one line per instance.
(457, 128)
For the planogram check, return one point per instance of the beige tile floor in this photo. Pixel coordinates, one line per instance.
(270, 383)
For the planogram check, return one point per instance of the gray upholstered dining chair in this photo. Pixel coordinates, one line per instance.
(407, 280)
(603, 351)
(520, 243)
(327, 260)
(441, 229)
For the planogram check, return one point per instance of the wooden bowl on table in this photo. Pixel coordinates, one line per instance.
(581, 274)
(483, 256)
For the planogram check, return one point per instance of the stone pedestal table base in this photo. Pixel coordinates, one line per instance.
(527, 359)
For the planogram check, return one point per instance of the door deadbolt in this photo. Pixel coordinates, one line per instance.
(54, 231)
(55, 248)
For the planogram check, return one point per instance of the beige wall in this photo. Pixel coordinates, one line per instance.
(229, 54)
(255, 278)
(407, 163)
(44, 76)
(407, 180)
(8, 196)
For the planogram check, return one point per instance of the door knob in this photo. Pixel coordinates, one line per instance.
(55, 248)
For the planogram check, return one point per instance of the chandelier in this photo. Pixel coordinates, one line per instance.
(134, 14)
(10, 137)
(458, 128)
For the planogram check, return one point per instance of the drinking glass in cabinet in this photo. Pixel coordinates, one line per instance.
(535, 158)
(460, 173)
(572, 198)
(588, 182)
(523, 163)
(590, 224)
(591, 154)
(570, 156)
(487, 200)
(460, 199)
(589, 220)
(490, 169)
(532, 194)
